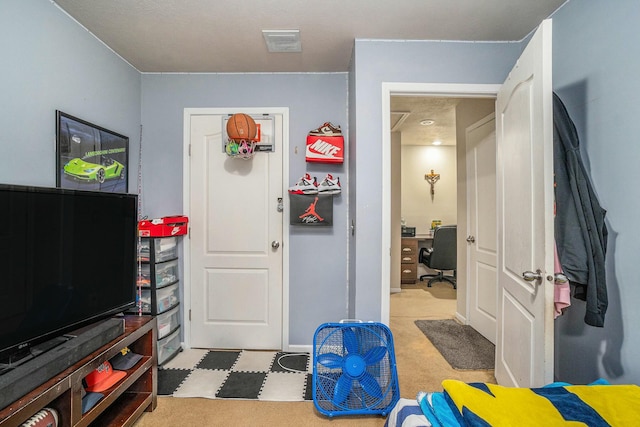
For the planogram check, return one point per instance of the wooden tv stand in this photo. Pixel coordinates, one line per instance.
(121, 405)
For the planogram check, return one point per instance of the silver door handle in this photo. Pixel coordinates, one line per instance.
(275, 244)
(471, 239)
(560, 278)
(530, 276)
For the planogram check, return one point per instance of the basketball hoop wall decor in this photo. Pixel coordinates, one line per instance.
(241, 133)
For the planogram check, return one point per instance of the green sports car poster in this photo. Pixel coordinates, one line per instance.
(90, 157)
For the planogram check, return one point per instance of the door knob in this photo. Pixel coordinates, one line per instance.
(560, 278)
(471, 239)
(530, 276)
(275, 244)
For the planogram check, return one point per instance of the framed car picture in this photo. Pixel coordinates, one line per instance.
(90, 157)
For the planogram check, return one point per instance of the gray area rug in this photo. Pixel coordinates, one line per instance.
(461, 345)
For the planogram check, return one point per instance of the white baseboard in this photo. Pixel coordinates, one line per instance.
(460, 318)
(396, 290)
(300, 349)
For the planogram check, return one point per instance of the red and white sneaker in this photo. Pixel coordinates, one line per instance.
(305, 185)
(330, 185)
(327, 129)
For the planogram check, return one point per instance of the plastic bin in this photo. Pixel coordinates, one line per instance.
(168, 322)
(144, 276)
(166, 298)
(166, 248)
(166, 273)
(168, 347)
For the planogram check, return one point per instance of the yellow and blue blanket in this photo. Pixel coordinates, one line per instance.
(481, 404)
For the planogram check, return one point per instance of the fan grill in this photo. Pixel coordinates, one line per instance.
(354, 369)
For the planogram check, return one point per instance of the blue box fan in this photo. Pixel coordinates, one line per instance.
(354, 369)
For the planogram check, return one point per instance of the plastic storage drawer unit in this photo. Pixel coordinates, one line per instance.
(168, 347)
(166, 273)
(167, 298)
(166, 248)
(144, 275)
(168, 322)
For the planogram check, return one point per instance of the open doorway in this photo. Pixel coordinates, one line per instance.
(424, 177)
(434, 117)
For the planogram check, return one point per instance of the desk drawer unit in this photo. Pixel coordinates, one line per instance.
(409, 261)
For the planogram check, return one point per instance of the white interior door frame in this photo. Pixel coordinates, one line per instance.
(409, 89)
(186, 191)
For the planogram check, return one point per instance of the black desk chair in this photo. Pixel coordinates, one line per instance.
(441, 255)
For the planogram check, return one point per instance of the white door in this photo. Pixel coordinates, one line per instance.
(481, 215)
(524, 345)
(236, 235)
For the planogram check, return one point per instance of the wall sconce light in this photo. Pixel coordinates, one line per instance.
(432, 178)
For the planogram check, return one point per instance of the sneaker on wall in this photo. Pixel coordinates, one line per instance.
(305, 185)
(327, 129)
(330, 185)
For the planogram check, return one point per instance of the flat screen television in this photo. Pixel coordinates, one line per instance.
(69, 259)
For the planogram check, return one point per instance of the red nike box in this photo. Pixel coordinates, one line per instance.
(163, 227)
(325, 149)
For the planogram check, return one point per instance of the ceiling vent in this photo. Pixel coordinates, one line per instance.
(282, 40)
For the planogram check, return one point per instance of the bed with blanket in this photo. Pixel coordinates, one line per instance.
(482, 404)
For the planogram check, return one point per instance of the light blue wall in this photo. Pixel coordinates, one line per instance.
(318, 256)
(596, 59)
(399, 61)
(50, 63)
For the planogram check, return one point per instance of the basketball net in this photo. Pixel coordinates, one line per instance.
(240, 149)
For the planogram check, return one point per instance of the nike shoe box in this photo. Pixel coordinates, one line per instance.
(325, 149)
(163, 227)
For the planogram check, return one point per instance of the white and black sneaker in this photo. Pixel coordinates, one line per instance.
(330, 185)
(327, 129)
(305, 185)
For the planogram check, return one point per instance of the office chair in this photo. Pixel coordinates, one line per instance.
(441, 255)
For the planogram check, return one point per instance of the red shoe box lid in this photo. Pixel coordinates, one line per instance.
(325, 149)
(163, 227)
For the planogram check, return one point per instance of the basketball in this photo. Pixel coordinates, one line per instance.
(241, 126)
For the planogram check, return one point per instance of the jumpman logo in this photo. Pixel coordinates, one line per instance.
(310, 215)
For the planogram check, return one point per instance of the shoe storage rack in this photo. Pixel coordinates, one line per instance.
(312, 200)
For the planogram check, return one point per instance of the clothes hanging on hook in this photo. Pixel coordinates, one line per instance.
(580, 230)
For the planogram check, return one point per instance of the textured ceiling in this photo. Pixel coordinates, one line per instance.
(408, 111)
(414, 109)
(226, 36)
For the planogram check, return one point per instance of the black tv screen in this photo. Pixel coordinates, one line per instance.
(69, 259)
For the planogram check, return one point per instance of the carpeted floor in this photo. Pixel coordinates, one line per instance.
(421, 367)
(461, 345)
(260, 375)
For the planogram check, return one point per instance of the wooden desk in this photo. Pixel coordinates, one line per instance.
(410, 249)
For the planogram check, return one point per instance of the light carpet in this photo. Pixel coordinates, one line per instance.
(255, 375)
(461, 345)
